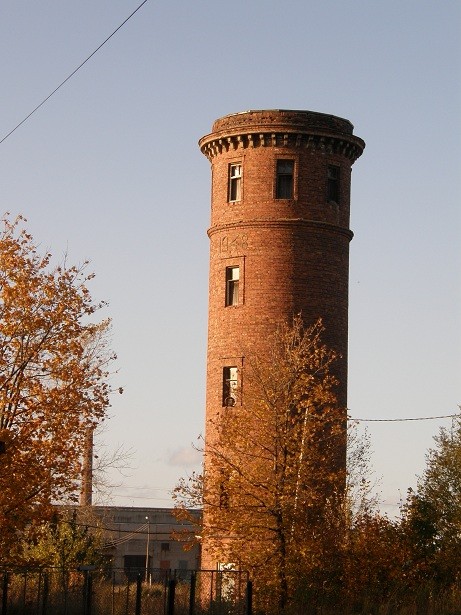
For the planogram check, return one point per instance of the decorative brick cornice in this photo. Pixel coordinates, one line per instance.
(349, 146)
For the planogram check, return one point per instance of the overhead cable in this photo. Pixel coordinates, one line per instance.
(401, 420)
(71, 74)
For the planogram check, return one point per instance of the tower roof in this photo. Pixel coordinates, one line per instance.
(282, 126)
(301, 119)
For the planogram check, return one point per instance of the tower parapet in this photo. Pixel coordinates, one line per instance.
(282, 128)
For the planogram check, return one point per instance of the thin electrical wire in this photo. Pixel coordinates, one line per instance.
(165, 489)
(140, 530)
(126, 538)
(418, 418)
(71, 74)
(140, 497)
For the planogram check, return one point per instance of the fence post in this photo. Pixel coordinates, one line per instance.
(193, 584)
(90, 594)
(5, 594)
(87, 591)
(127, 603)
(249, 598)
(46, 588)
(171, 596)
(138, 594)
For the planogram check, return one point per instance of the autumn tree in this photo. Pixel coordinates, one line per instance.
(273, 498)
(432, 513)
(66, 541)
(54, 368)
(375, 557)
(107, 463)
(361, 484)
(412, 562)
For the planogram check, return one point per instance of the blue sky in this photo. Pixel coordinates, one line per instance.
(109, 169)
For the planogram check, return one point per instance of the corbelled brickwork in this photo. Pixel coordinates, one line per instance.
(290, 242)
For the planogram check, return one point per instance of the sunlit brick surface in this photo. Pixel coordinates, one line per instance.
(293, 254)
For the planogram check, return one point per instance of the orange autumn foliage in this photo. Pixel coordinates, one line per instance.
(273, 488)
(54, 365)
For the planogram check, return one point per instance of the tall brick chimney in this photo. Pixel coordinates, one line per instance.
(279, 239)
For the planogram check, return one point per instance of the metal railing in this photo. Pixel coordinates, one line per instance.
(125, 592)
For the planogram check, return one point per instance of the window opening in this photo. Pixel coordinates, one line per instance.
(165, 564)
(223, 495)
(284, 182)
(235, 182)
(232, 285)
(229, 392)
(333, 183)
(183, 567)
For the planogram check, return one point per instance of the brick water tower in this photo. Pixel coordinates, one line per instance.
(279, 240)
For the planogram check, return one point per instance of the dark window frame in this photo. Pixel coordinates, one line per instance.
(285, 178)
(333, 183)
(232, 285)
(229, 385)
(235, 182)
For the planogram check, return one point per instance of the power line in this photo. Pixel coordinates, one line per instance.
(401, 420)
(72, 73)
(142, 529)
(140, 497)
(145, 488)
(119, 541)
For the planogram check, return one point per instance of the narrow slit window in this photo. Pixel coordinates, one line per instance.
(333, 184)
(229, 392)
(284, 180)
(232, 285)
(235, 182)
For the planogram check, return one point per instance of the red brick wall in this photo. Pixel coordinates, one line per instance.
(293, 254)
